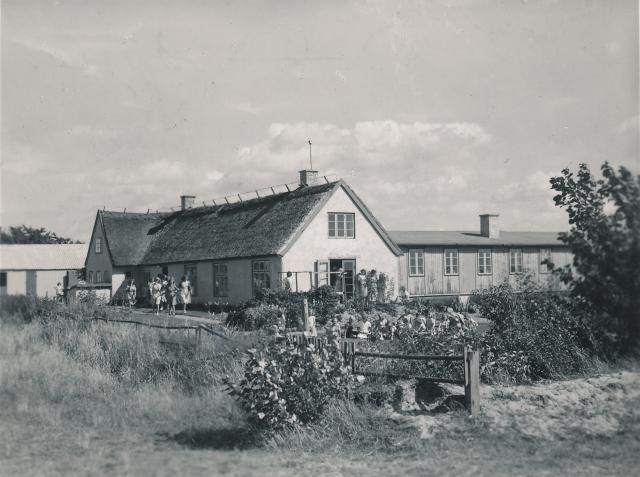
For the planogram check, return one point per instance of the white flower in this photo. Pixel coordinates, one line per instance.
(261, 415)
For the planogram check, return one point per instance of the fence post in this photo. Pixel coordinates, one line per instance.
(197, 345)
(305, 315)
(472, 380)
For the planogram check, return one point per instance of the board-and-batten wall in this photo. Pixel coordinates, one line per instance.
(435, 282)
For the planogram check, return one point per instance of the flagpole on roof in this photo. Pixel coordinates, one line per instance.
(310, 158)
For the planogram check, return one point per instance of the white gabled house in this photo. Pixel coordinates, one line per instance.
(231, 250)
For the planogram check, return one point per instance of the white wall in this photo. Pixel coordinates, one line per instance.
(367, 248)
(46, 282)
(16, 283)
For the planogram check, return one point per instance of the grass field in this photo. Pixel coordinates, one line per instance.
(98, 399)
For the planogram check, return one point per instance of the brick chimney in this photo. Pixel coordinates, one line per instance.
(490, 225)
(308, 177)
(187, 201)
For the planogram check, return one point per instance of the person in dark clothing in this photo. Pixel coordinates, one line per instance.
(352, 332)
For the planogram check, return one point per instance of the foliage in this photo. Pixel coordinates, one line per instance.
(534, 334)
(290, 302)
(324, 301)
(24, 234)
(132, 356)
(605, 240)
(291, 384)
(260, 316)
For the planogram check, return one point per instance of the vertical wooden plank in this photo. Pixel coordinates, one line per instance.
(434, 274)
(403, 269)
(472, 380)
(500, 265)
(305, 315)
(467, 269)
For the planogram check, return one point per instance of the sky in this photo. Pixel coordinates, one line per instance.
(433, 111)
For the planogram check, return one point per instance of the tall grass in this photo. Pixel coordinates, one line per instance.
(92, 375)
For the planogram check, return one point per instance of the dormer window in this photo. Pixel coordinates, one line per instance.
(98, 245)
(342, 225)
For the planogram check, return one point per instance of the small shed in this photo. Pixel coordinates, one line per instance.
(35, 269)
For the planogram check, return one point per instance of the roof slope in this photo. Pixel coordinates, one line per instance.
(127, 234)
(475, 239)
(256, 227)
(42, 256)
(252, 228)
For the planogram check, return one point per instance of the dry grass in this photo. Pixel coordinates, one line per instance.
(95, 399)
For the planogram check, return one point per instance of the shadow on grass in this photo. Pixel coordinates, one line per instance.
(222, 439)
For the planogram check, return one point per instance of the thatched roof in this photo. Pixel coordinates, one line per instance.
(128, 235)
(251, 228)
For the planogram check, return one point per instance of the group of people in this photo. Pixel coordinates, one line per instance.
(390, 328)
(371, 287)
(163, 291)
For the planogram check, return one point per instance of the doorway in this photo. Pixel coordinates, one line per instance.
(348, 268)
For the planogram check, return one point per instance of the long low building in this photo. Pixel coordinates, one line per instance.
(458, 263)
(318, 230)
(36, 269)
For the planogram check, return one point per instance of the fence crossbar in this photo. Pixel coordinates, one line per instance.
(165, 327)
(410, 376)
(424, 357)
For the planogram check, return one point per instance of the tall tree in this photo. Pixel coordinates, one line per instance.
(24, 234)
(604, 215)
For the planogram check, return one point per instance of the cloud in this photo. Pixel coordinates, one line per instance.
(631, 124)
(412, 175)
(71, 56)
(243, 107)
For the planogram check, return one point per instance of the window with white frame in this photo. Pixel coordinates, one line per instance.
(98, 245)
(416, 263)
(342, 225)
(220, 279)
(451, 261)
(545, 255)
(98, 276)
(515, 260)
(191, 272)
(485, 266)
(261, 275)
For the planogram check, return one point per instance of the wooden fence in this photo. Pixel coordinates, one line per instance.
(469, 358)
(198, 329)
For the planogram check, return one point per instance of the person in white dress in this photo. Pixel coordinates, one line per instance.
(184, 291)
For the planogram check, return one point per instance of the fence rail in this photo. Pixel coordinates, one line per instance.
(198, 329)
(469, 358)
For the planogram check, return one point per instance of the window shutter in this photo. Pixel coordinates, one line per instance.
(322, 272)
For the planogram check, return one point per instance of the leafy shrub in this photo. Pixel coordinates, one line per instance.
(261, 316)
(325, 301)
(535, 334)
(290, 384)
(604, 215)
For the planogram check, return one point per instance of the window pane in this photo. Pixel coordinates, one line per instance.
(350, 225)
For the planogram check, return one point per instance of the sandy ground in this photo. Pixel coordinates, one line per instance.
(576, 427)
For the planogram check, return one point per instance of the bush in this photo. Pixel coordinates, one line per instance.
(290, 384)
(261, 316)
(535, 335)
(324, 301)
